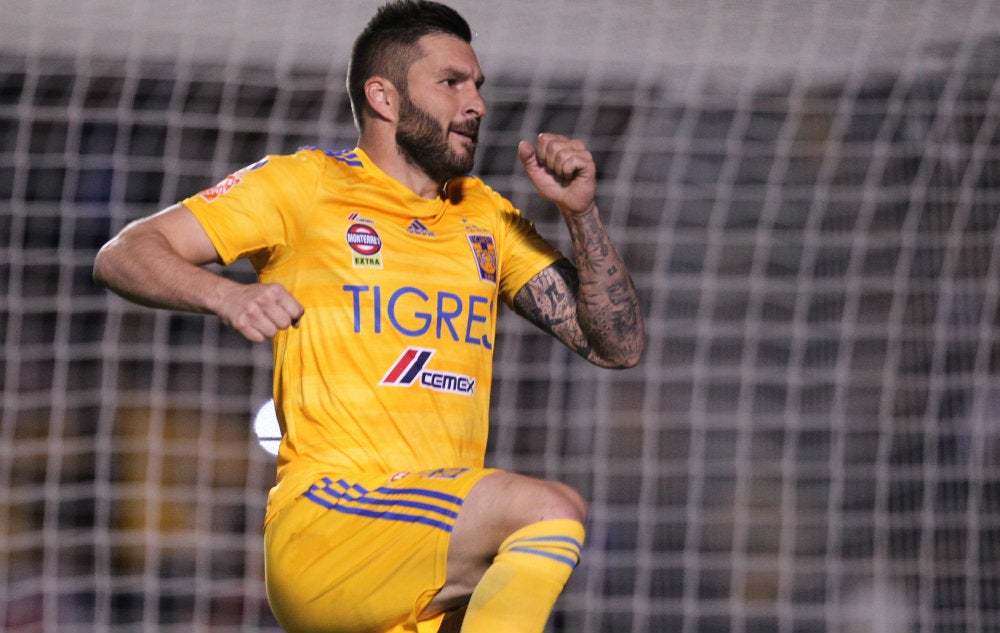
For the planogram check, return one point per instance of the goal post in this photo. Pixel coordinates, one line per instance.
(806, 193)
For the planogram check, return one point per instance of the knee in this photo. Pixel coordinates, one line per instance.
(510, 501)
(542, 500)
(563, 502)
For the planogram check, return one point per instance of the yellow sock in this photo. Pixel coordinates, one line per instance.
(518, 591)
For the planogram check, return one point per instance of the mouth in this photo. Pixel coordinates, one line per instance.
(468, 132)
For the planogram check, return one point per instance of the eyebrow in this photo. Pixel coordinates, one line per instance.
(452, 71)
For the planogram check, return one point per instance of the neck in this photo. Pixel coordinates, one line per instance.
(386, 155)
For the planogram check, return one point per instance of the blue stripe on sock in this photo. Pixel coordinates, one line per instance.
(572, 562)
(577, 545)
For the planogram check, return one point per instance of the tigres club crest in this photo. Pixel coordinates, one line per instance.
(485, 253)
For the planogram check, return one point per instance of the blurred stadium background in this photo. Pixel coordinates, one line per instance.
(807, 192)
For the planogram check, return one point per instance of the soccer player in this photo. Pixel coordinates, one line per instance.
(380, 270)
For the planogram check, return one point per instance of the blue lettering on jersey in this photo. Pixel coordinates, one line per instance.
(347, 156)
(474, 317)
(423, 317)
(413, 312)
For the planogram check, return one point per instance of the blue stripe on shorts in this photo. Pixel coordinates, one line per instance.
(425, 507)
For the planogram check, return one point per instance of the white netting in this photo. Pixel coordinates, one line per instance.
(806, 191)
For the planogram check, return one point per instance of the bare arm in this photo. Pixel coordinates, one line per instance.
(592, 307)
(159, 262)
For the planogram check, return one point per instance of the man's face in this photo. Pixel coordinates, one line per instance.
(441, 109)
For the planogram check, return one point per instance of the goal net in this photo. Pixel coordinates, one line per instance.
(807, 193)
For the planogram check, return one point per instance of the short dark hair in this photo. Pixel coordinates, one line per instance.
(387, 45)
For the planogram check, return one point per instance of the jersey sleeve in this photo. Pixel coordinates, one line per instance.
(524, 252)
(260, 210)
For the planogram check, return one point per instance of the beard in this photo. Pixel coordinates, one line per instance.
(425, 144)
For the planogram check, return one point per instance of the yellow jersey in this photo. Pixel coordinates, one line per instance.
(390, 368)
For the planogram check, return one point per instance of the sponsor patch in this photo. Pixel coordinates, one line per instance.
(366, 246)
(213, 193)
(357, 217)
(411, 368)
(485, 252)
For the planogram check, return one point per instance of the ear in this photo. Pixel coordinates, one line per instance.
(382, 97)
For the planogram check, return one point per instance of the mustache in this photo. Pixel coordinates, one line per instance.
(468, 128)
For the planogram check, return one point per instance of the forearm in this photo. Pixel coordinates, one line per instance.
(592, 308)
(159, 262)
(607, 306)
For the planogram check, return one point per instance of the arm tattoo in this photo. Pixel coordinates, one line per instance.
(607, 304)
(592, 307)
(600, 320)
(549, 301)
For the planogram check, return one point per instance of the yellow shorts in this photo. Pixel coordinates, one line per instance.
(364, 553)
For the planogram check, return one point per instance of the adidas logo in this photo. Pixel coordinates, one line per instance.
(417, 228)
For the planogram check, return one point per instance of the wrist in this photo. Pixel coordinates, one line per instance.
(216, 294)
(571, 212)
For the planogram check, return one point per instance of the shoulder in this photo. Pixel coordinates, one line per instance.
(277, 167)
(304, 160)
(320, 156)
(315, 158)
(300, 171)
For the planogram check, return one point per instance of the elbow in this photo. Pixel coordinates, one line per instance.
(623, 361)
(631, 358)
(630, 337)
(625, 356)
(631, 361)
(104, 266)
(99, 272)
(633, 351)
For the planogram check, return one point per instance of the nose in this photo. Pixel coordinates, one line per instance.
(477, 105)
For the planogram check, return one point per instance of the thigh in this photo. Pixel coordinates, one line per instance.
(495, 508)
(362, 553)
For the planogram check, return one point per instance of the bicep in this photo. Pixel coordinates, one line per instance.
(179, 229)
(549, 301)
